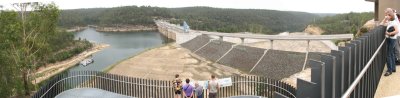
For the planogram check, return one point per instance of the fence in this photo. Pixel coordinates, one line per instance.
(147, 88)
(352, 71)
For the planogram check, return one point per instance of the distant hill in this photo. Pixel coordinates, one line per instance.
(325, 14)
(131, 15)
(343, 23)
(241, 20)
(200, 18)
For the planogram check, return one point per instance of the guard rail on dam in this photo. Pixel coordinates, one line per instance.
(352, 71)
(148, 88)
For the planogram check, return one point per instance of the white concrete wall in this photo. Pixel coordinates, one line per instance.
(184, 37)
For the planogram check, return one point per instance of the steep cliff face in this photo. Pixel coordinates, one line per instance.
(314, 30)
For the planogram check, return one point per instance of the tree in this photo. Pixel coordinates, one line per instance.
(31, 40)
(9, 77)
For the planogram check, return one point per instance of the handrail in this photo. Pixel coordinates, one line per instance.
(270, 37)
(98, 77)
(267, 84)
(94, 76)
(362, 73)
(283, 37)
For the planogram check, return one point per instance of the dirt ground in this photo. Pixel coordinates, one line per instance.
(164, 62)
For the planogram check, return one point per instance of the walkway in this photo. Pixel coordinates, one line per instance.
(89, 93)
(389, 87)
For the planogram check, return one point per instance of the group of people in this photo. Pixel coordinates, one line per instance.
(189, 91)
(392, 22)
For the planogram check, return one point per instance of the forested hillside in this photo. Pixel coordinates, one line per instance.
(344, 23)
(131, 15)
(241, 20)
(200, 18)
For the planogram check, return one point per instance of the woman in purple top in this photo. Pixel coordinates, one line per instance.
(188, 89)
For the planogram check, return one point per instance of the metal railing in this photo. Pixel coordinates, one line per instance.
(148, 88)
(353, 71)
(362, 74)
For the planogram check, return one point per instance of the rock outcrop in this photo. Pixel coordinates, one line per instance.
(314, 30)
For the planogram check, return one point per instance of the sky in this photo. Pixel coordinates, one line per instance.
(311, 6)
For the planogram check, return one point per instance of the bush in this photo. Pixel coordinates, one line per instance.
(79, 47)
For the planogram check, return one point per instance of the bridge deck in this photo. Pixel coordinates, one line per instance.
(260, 36)
(283, 37)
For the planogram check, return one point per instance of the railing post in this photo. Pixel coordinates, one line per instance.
(315, 87)
(272, 44)
(338, 72)
(242, 40)
(330, 62)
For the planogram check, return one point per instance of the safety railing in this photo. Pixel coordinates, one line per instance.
(352, 71)
(148, 88)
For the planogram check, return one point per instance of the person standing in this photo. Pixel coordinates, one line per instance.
(178, 86)
(391, 35)
(198, 90)
(397, 43)
(188, 89)
(213, 87)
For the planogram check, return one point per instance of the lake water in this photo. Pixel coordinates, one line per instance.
(122, 46)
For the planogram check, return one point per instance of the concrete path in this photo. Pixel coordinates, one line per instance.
(89, 93)
(389, 87)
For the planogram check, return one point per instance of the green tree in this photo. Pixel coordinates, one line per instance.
(344, 23)
(9, 77)
(28, 39)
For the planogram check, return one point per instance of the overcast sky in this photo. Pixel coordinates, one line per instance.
(312, 6)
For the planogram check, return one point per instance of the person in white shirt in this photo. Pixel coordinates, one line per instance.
(397, 43)
(391, 35)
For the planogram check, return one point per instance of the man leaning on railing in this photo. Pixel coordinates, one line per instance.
(392, 23)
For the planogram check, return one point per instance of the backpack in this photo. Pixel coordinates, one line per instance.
(178, 85)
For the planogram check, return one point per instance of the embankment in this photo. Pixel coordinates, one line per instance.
(50, 70)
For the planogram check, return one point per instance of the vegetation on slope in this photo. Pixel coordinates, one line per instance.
(199, 18)
(344, 23)
(29, 44)
(242, 20)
